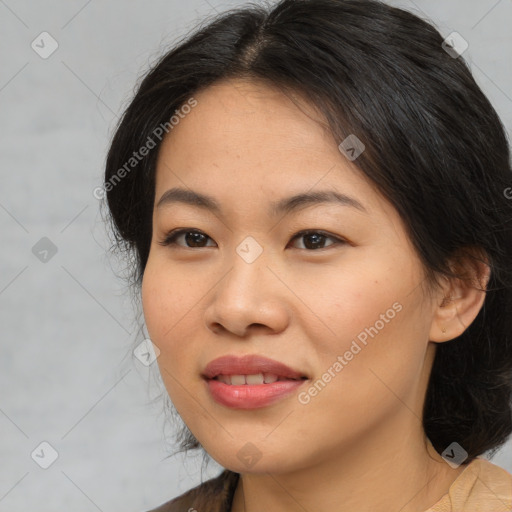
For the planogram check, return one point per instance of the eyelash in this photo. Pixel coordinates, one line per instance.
(170, 239)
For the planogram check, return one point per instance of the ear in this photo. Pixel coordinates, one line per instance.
(458, 300)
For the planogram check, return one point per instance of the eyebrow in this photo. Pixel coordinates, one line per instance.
(281, 207)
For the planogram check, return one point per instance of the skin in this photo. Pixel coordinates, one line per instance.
(359, 443)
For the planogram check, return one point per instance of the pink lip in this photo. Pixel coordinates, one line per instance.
(250, 396)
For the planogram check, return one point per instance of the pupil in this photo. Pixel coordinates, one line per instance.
(194, 239)
(316, 240)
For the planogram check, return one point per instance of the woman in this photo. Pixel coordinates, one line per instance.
(316, 199)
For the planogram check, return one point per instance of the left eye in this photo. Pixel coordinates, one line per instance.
(313, 239)
(192, 236)
(316, 239)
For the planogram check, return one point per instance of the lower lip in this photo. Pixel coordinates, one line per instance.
(251, 396)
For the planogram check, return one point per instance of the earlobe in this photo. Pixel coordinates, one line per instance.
(460, 299)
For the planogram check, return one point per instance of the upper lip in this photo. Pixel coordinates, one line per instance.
(249, 365)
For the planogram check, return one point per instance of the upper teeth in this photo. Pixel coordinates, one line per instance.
(257, 378)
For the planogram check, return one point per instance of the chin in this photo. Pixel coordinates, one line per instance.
(254, 457)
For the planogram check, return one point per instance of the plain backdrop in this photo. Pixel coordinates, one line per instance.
(67, 376)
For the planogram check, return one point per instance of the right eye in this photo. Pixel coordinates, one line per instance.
(194, 237)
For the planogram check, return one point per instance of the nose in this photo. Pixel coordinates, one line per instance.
(248, 298)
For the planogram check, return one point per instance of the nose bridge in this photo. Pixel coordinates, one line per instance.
(249, 250)
(248, 266)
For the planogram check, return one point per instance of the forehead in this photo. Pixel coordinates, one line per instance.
(234, 112)
(242, 125)
(250, 96)
(248, 140)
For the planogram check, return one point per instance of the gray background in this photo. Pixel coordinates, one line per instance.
(67, 376)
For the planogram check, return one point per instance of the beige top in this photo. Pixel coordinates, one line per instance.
(481, 487)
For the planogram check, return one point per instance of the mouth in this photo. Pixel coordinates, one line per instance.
(249, 369)
(256, 379)
(250, 381)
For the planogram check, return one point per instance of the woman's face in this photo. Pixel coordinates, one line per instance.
(345, 305)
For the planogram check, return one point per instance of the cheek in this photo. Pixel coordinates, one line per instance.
(166, 298)
(378, 360)
(351, 300)
(165, 306)
(378, 334)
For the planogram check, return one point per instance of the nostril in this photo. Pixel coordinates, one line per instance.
(258, 326)
(216, 328)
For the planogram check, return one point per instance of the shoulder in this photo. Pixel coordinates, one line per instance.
(481, 487)
(214, 495)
